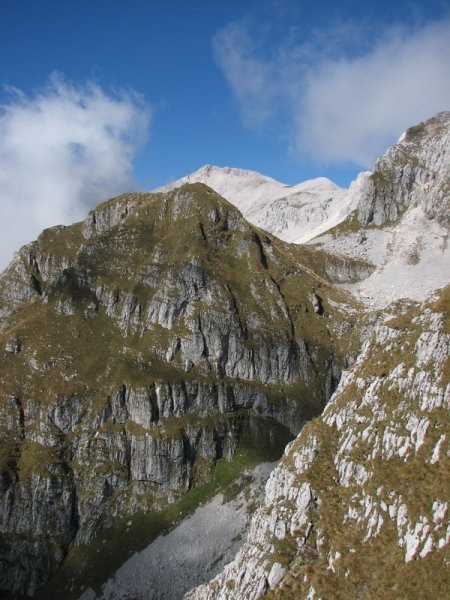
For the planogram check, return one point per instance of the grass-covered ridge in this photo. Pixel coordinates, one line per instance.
(382, 468)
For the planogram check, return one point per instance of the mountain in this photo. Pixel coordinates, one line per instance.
(358, 505)
(140, 349)
(394, 219)
(401, 218)
(153, 355)
(293, 213)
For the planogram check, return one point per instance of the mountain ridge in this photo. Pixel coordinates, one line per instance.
(402, 213)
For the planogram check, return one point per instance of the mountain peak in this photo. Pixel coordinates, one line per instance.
(434, 127)
(232, 183)
(401, 217)
(292, 212)
(414, 172)
(212, 170)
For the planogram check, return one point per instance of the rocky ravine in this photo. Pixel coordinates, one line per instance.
(138, 349)
(358, 506)
(191, 553)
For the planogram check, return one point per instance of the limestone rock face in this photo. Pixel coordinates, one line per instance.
(138, 348)
(396, 237)
(366, 480)
(413, 172)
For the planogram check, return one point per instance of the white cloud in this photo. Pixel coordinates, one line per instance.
(353, 109)
(62, 151)
(247, 75)
(336, 107)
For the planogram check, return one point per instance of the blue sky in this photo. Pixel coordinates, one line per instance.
(107, 95)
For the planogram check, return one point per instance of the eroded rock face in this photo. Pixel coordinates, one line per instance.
(394, 243)
(365, 484)
(413, 172)
(151, 338)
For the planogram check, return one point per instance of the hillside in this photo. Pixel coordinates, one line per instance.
(358, 506)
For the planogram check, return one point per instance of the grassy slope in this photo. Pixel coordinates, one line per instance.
(373, 568)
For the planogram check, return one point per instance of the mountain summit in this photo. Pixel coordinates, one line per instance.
(294, 213)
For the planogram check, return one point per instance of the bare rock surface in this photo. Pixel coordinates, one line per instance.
(193, 552)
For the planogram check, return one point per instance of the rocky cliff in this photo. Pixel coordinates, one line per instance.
(138, 349)
(398, 224)
(358, 506)
(414, 172)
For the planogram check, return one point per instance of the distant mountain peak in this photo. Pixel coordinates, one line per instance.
(294, 213)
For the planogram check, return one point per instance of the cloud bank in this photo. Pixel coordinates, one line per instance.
(62, 151)
(334, 106)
